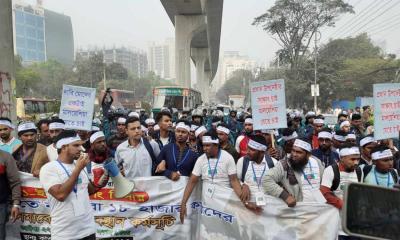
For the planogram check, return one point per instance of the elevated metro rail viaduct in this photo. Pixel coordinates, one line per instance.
(197, 36)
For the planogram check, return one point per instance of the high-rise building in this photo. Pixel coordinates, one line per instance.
(229, 63)
(161, 58)
(133, 60)
(41, 34)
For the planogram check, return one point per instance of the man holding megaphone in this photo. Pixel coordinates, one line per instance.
(68, 187)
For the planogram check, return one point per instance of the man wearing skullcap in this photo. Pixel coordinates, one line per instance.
(119, 137)
(31, 155)
(7, 142)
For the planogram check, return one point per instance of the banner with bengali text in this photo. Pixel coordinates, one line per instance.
(152, 212)
(268, 103)
(386, 110)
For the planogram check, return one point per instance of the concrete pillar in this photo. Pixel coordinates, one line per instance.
(7, 102)
(200, 56)
(185, 27)
(207, 79)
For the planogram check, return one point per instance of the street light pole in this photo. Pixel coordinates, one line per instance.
(315, 72)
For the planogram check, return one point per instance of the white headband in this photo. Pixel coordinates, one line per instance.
(66, 141)
(150, 121)
(351, 136)
(208, 139)
(293, 136)
(121, 120)
(7, 123)
(366, 140)
(96, 136)
(302, 144)
(325, 135)
(200, 130)
(223, 129)
(95, 128)
(344, 123)
(339, 138)
(248, 121)
(26, 126)
(182, 125)
(56, 125)
(193, 128)
(382, 155)
(257, 146)
(349, 151)
(319, 121)
(133, 114)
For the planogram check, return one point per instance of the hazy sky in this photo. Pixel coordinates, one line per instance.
(137, 22)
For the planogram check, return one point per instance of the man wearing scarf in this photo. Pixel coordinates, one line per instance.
(296, 179)
(324, 151)
(243, 140)
(30, 156)
(98, 153)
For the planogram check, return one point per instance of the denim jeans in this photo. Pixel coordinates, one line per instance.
(3, 220)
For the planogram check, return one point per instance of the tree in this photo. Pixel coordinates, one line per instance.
(116, 71)
(237, 84)
(295, 22)
(90, 71)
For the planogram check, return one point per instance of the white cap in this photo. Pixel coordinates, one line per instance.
(345, 123)
(121, 120)
(66, 141)
(302, 144)
(200, 130)
(349, 151)
(325, 135)
(182, 125)
(366, 140)
(223, 129)
(133, 114)
(351, 136)
(257, 146)
(150, 121)
(96, 136)
(7, 123)
(56, 125)
(248, 121)
(319, 121)
(208, 139)
(26, 126)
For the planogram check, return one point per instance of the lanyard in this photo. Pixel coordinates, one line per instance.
(305, 177)
(178, 165)
(75, 189)
(376, 178)
(255, 176)
(215, 167)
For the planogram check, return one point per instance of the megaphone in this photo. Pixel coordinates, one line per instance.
(122, 186)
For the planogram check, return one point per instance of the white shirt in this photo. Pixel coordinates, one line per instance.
(249, 178)
(311, 171)
(52, 153)
(226, 166)
(136, 161)
(64, 223)
(345, 178)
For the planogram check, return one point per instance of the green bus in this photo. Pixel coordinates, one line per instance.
(181, 98)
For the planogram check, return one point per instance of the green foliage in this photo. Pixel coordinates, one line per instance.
(238, 83)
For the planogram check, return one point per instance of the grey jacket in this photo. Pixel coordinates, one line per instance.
(277, 183)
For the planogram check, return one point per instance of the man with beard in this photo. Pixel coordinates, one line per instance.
(120, 136)
(252, 169)
(298, 178)
(164, 135)
(338, 175)
(44, 133)
(289, 136)
(243, 140)
(366, 145)
(56, 127)
(233, 122)
(198, 133)
(7, 142)
(223, 136)
(215, 166)
(324, 152)
(177, 159)
(98, 153)
(67, 188)
(381, 173)
(30, 156)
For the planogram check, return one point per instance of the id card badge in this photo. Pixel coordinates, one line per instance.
(79, 207)
(318, 197)
(260, 199)
(210, 190)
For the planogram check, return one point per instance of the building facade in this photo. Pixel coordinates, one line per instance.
(161, 58)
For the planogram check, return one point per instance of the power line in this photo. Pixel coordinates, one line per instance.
(383, 23)
(364, 18)
(390, 7)
(353, 20)
(393, 25)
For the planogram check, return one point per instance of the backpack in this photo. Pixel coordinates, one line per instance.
(336, 176)
(150, 150)
(246, 162)
(393, 172)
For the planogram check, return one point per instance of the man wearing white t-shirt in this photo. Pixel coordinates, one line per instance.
(337, 176)
(252, 169)
(215, 166)
(67, 187)
(55, 128)
(296, 179)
